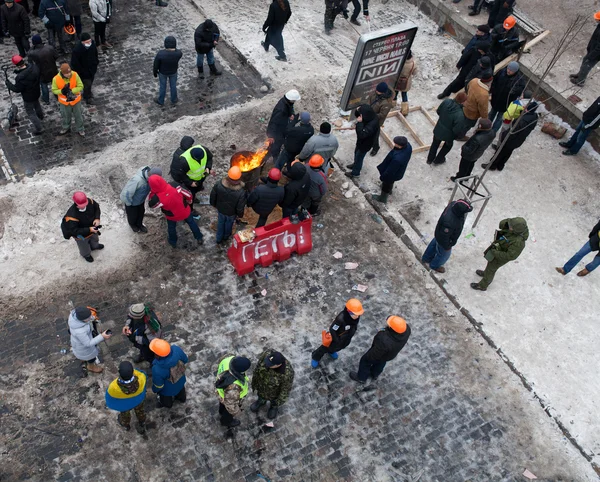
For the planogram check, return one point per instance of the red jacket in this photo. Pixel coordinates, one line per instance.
(173, 201)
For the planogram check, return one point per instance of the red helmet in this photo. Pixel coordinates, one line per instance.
(275, 174)
(80, 198)
(17, 59)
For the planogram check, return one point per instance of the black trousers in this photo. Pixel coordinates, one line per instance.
(456, 84)
(262, 220)
(387, 187)
(145, 351)
(226, 417)
(357, 8)
(503, 157)
(168, 401)
(87, 88)
(320, 352)
(275, 38)
(100, 32)
(135, 215)
(465, 168)
(435, 156)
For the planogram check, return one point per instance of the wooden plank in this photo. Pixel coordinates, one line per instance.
(421, 149)
(410, 129)
(426, 114)
(528, 45)
(387, 138)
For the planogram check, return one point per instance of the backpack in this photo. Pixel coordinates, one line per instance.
(64, 226)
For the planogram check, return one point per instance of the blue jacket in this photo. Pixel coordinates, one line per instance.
(161, 371)
(137, 189)
(55, 11)
(394, 165)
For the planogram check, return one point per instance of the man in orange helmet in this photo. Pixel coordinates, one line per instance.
(505, 39)
(341, 331)
(386, 345)
(168, 372)
(229, 197)
(592, 56)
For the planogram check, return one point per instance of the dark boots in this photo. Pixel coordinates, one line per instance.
(201, 71)
(382, 198)
(213, 70)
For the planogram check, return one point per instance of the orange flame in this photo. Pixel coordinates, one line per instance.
(247, 161)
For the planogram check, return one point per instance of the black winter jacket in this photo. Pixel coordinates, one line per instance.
(367, 130)
(394, 165)
(185, 143)
(451, 223)
(296, 136)
(27, 83)
(342, 330)
(591, 117)
(85, 61)
(593, 47)
(506, 88)
(474, 148)
(595, 238)
(54, 11)
(280, 118)
(265, 197)
(78, 223)
(297, 189)
(469, 59)
(504, 42)
(180, 168)
(277, 16)
(228, 198)
(524, 126)
(15, 20)
(387, 344)
(166, 62)
(44, 56)
(205, 35)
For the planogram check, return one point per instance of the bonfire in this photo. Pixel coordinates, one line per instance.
(248, 160)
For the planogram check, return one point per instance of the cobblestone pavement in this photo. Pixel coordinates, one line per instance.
(124, 88)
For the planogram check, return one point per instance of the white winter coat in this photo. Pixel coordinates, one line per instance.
(82, 341)
(100, 10)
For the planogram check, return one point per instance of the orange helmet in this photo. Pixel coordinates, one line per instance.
(316, 160)
(509, 22)
(160, 347)
(597, 16)
(69, 29)
(354, 306)
(397, 324)
(235, 173)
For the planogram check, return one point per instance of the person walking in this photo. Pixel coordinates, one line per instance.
(477, 104)
(15, 22)
(165, 68)
(168, 373)
(279, 14)
(367, 132)
(67, 86)
(447, 232)
(474, 148)
(340, 332)
(282, 115)
(393, 167)
(332, 8)
(295, 191)
(134, 195)
(404, 83)
(191, 168)
(356, 11)
(324, 143)
(27, 83)
(229, 197)
(206, 39)
(589, 122)
(231, 386)
(141, 327)
(272, 381)
(84, 61)
(75, 10)
(387, 343)
(101, 14)
(591, 57)
(44, 56)
(507, 246)
(451, 125)
(54, 14)
(465, 64)
(127, 392)
(298, 132)
(507, 86)
(590, 246)
(266, 196)
(175, 203)
(82, 223)
(318, 185)
(84, 341)
(381, 102)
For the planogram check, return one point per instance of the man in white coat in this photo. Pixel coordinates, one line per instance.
(83, 343)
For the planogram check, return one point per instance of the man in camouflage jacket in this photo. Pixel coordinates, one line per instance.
(272, 381)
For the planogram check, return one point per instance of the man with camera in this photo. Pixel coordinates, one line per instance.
(82, 223)
(85, 338)
(67, 86)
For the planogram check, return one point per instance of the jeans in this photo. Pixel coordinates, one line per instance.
(167, 401)
(45, 92)
(436, 255)
(22, 45)
(58, 31)
(404, 96)
(87, 88)
(224, 227)
(210, 58)
(172, 229)
(162, 91)
(284, 159)
(100, 33)
(135, 215)
(579, 255)
(68, 111)
(35, 114)
(436, 157)
(275, 38)
(586, 66)
(359, 158)
(369, 368)
(496, 117)
(577, 140)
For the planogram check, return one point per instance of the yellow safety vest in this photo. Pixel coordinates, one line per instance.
(223, 367)
(196, 172)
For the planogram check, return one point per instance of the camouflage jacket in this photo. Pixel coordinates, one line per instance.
(272, 384)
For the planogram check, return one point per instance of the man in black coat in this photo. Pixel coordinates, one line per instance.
(592, 245)
(229, 197)
(592, 56)
(299, 131)
(186, 143)
(507, 86)
(15, 22)
(474, 148)
(393, 167)
(44, 56)
(84, 61)
(165, 68)
(499, 11)
(82, 223)
(279, 14)
(465, 64)
(505, 39)
(447, 232)
(367, 130)
(523, 126)
(206, 38)
(387, 343)
(282, 115)
(266, 196)
(297, 189)
(589, 122)
(27, 83)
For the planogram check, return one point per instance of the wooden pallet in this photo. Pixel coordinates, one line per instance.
(396, 113)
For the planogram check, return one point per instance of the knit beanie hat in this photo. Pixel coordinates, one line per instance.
(401, 141)
(155, 170)
(514, 66)
(304, 117)
(125, 371)
(85, 36)
(83, 313)
(240, 364)
(382, 87)
(36, 40)
(137, 311)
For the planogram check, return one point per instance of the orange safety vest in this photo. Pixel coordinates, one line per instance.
(60, 83)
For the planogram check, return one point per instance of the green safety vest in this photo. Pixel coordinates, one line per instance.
(223, 367)
(196, 172)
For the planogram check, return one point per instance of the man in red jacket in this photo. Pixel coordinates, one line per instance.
(175, 204)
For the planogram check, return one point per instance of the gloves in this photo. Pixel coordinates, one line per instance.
(65, 89)
(6, 34)
(45, 19)
(67, 17)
